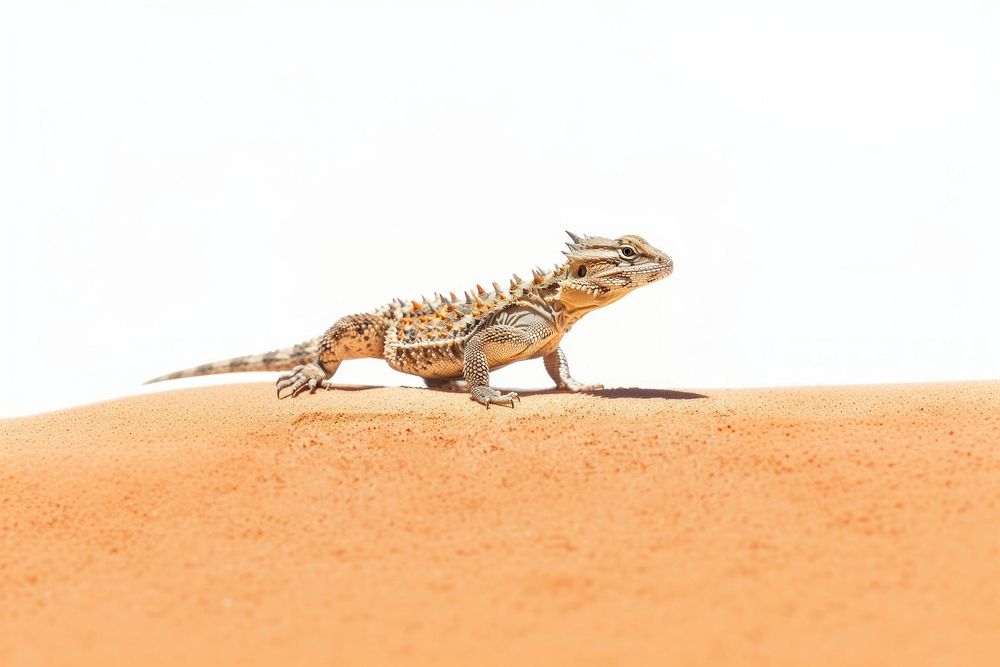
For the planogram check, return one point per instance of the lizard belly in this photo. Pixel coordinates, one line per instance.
(499, 359)
(427, 362)
(446, 363)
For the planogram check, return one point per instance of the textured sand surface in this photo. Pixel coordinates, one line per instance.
(805, 526)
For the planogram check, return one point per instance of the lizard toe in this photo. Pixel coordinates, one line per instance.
(300, 379)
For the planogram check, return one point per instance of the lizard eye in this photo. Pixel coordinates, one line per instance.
(627, 251)
(582, 271)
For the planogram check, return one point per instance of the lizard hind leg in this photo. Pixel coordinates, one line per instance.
(351, 337)
(307, 376)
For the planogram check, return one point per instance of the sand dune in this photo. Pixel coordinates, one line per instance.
(800, 526)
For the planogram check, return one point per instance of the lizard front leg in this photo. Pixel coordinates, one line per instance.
(558, 369)
(486, 344)
(501, 344)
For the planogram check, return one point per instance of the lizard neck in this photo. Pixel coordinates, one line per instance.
(570, 305)
(571, 311)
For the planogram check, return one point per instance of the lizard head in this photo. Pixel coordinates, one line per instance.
(601, 270)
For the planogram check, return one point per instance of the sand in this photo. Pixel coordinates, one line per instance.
(369, 525)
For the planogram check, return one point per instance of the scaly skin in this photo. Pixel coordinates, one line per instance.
(454, 343)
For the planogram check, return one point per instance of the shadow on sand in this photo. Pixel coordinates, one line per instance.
(620, 392)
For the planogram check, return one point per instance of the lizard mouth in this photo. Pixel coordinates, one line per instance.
(592, 290)
(639, 273)
(654, 270)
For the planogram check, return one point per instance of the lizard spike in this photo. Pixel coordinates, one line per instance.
(416, 306)
(513, 283)
(468, 297)
(576, 239)
(424, 299)
(453, 297)
(443, 299)
(517, 280)
(479, 288)
(497, 288)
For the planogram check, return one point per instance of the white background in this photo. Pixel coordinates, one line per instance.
(188, 181)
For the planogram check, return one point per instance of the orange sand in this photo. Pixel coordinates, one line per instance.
(800, 526)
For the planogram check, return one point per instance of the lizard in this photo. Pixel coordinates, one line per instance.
(453, 342)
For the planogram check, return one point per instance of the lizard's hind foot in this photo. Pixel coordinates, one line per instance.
(299, 379)
(489, 396)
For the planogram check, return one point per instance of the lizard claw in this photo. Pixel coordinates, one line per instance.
(489, 396)
(299, 379)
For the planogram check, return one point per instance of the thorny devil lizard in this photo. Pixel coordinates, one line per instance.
(449, 338)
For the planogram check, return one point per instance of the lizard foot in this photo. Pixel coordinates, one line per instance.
(489, 396)
(299, 379)
(577, 387)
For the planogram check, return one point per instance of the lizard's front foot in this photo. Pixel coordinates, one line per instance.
(577, 387)
(489, 396)
(299, 378)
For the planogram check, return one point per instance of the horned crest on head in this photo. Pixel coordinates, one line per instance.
(592, 247)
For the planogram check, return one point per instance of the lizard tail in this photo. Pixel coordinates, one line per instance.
(278, 360)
